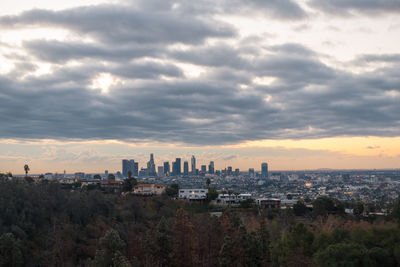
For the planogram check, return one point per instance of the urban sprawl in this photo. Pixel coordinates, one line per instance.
(275, 188)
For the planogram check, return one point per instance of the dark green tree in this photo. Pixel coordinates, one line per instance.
(264, 237)
(10, 251)
(358, 209)
(26, 169)
(163, 242)
(226, 254)
(172, 190)
(254, 250)
(343, 254)
(297, 243)
(396, 211)
(110, 251)
(212, 194)
(323, 206)
(299, 208)
(120, 260)
(111, 177)
(247, 203)
(129, 184)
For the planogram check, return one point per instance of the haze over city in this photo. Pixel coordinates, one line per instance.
(298, 84)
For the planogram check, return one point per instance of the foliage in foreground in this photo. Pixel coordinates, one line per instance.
(45, 225)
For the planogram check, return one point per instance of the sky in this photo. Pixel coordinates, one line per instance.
(299, 84)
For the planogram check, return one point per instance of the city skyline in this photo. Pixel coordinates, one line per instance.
(306, 84)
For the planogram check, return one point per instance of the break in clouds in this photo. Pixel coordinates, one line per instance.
(177, 71)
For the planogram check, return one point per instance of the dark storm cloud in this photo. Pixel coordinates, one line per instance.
(346, 7)
(154, 98)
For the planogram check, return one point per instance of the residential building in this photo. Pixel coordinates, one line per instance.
(148, 189)
(269, 203)
(193, 194)
(224, 199)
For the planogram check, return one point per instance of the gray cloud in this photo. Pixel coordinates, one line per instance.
(118, 24)
(347, 7)
(61, 52)
(155, 99)
(278, 9)
(281, 9)
(387, 58)
(212, 109)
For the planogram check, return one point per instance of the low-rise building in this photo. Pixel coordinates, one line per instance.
(225, 199)
(67, 180)
(269, 203)
(149, 189)
(193, 194)
(113, 186)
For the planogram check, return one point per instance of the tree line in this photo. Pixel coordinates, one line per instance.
(44, 224)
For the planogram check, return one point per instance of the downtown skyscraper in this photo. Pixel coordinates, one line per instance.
(193, 164)
(167, 169)
(151, 166)
(264, 170)
(129, 166)
(186, 168)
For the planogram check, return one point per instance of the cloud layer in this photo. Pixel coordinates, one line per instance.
(178, 72)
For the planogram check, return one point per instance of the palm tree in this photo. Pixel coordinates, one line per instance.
(26, 168)
(208, 182)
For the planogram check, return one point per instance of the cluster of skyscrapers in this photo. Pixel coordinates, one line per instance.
(131, 168)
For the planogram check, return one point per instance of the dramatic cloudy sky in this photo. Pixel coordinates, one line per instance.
(299, 84)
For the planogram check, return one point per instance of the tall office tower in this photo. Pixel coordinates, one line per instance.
(178, 166)
(211, 167)
(264, 170)
(125, 167)
(229, 172)
(251, 172)
(186, 168)
(151, 167)
(237, 172)
(128, 165)
(132, 167)
(167, 169)
(160, 171)
(203, 169)
(193, 163)
(135, 169)
(174, 168)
